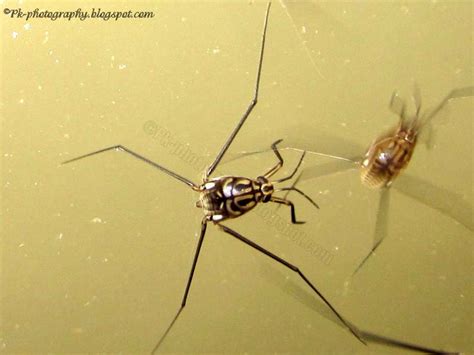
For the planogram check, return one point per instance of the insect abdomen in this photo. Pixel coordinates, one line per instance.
(384, 161)
(229, 197)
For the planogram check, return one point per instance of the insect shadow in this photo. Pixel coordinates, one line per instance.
(385, 159)
(228, 197)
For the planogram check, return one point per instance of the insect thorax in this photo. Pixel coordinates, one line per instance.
(229, 197)
(386, 158)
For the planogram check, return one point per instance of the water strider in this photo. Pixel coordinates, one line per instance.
(227, 197)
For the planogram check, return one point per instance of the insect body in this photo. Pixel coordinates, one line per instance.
(387, 157)
(389, 154)
(230, 196)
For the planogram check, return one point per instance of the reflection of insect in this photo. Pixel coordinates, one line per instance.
(228, 197)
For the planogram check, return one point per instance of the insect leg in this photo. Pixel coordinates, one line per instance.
(381, 224)
(361, 335)
(278, 166)
(292, 188)
(227, 144)
(121, 148)
(454, 94)
(295, 269)
(188, 285)
(292, 208)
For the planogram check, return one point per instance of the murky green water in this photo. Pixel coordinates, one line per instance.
(95, 255)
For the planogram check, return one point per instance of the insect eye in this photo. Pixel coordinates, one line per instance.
(267, 189)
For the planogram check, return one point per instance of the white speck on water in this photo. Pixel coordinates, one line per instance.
(50, 52)
(21, 245)
(336, 248)
(113, 102)
(56, 61)
(122, 66)
(40, 87)
(27, 26)
(60, 236)
(89, 64)
(183, 19)
(105, 260)
(46, 38)
(405, 9)
(461, 295)
(14, 35)
(216, 50)
(21, 101)
(96, 220)
(17, 326)
(303, 29)
(343, 124)
(66, 135)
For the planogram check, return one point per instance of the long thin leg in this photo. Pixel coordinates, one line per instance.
(121, 148)
(374, 338)
(294, 268)
(397, 105)
(292, 208)
(294, 171)
(381, 225)
(213, 166)
(454, 94)
(278, 166)
(292, 188)
(361, 335)
(188, 285)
